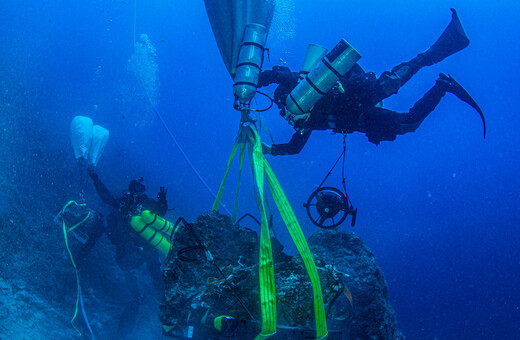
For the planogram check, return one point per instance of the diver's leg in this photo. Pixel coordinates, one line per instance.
(452, 40)
(154, 267)
(379, 124)
(130, 313)
(410, 121)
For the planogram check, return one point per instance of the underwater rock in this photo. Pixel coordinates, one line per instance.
(196, 291)
(373, 316)
(25, 315)
(194, 287)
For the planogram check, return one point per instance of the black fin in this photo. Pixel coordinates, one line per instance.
(452, 40)
(458, 90)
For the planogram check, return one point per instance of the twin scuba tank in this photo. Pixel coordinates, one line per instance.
(322, 71)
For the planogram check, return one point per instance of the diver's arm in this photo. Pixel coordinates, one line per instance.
(278, 75)
(103, 191)
(162, 203)
(294, 146)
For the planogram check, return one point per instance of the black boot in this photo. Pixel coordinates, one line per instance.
(452, 40)
(424, 106)
(452, 86)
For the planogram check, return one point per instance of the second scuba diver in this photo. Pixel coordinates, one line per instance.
(132, 251)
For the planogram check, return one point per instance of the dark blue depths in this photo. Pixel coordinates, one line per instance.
(439, 208)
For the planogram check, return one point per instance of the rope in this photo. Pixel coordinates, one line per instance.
(83, 179)
(79, 297)
(170, 132)
(135, 17)
(343, 181)
(84, 313)
(181, 150)
(336, 163)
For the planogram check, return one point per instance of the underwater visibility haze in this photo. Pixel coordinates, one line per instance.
(439, 208)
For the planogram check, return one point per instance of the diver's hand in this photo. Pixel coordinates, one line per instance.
(296, 119)
(161, 196)
(266, 149)
(265, 78)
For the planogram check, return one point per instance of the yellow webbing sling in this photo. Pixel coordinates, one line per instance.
(261, 168)
(240, 164)
(220, 192)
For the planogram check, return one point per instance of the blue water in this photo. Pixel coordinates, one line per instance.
(439, 207)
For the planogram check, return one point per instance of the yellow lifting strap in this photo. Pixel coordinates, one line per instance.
(220, 192)
(261, 169)
(153, 228)
(266, 264)
(240, 164)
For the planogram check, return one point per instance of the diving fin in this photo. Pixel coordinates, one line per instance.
(452, 40)
(454, 87)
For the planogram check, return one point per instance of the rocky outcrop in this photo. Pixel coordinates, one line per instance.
(373, 316)
(200, 287)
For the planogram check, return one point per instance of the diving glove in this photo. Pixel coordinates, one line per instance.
(294, 119)
(161, 196)
(266, 149)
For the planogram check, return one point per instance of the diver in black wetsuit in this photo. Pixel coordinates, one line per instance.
(354, 104)
(131, 249)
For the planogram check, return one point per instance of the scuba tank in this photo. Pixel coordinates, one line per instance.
(314, 54)
(321, 78)
(249, 63)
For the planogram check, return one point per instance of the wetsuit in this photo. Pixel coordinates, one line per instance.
(131, 249)
(357, 108)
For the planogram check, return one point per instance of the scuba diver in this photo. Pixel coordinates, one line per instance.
(354, 104)
(131, 249)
